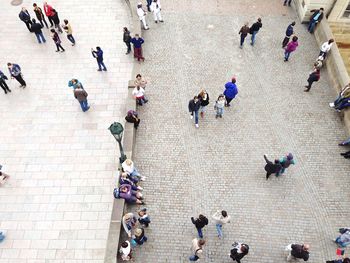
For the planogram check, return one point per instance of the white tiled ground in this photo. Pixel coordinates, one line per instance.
(56, 206)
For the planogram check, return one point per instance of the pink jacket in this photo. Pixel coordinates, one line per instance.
(292, 46)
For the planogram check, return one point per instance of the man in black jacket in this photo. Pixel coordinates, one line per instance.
(193, 107)
(127, 39)
(200, 223)
(272, 168)
(239, 251)
(315, 18)
(36, 29)
(25, 17)
(254, 30)
(299, 252)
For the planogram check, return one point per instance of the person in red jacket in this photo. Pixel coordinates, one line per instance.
(49, 13)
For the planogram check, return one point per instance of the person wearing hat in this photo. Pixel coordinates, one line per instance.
(286, 161)
(142, 15)
(254, 30)
(230, 91)
(140, 237)
(272, 168)
(125, 251)
(200, 223)
(244, 32)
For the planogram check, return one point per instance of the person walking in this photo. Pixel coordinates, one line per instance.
(219, 106)
(238, 251)
(137, 43)
(129, 223)
(39, 15)
(289, 2)
(2, 236)
(200, 223)
(15, 72)
(25, 17)
(98, 54)
(298, 252)
(139, 95)
(325, 48)
(155, 8)
(56, 20)
(289, 32)
(197, 249)
(127, 40)
(291, 47)
(313, 76)
(3, 84)
(81, 95)
(221, 218)
(272, 168)
(36, 28)
(56, 39)
(68, 29)
(254, 29)
(142, 15)
(203, 97)
(193, 107)
(230, 91)
(286, 161)
(244, 32)
(48, 10)
(315, 18)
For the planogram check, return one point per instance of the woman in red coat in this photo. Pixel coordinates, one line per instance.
(49, 13)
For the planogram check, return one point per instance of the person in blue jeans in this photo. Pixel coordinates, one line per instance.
(221, 218)
(2, 236)
(315, 18)
(254, 29)
(81, 95)
(36, 29)
(200, 223)
(291, 47)
(243, 32)
(193, 107)
(98, 54)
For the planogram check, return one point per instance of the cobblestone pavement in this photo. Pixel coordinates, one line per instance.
(220, 165)
(56, 207)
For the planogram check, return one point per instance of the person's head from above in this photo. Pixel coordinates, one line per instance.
(128, 162)
(203, 92)
(293, 23)
(139, 5)
(244, 249)
(124, 189)
(33, 20)
(138, 232)
(259, 19)
(330, 41)
(201, 217)
(125, 29)
(346, 260)
(201, 242)
(98, 48)
(9, 65)
(233, 80)
(65, 21)
(295, 39)
(74, 81)
(128, 216)
(195, 98)
(306, 247)
(23, 8)
(138, 76)
(224, 213)
(221, 97)
(277, 161)
(124, 244)
(124, 175)
(53, 30)
(142, 212)
(34, 5)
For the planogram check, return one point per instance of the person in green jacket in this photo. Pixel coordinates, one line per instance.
(286, 161)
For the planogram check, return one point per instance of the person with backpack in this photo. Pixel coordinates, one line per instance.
(289, 33)
(254, 30)
(25, 17)
(125, 251)
(286, 161)
(3, 84)
(298, 252)
(16, 72)
(314, 76)
(197, 249)
(243, 32)
(203, 97)
(291, 47)
(272, 168)
(193, 107)
(127, 40)
(200, 223)
(238, 251)
(221, 218)
(230, 91)
(219, 106)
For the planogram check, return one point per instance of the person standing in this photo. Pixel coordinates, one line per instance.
(291, 47)
(36, 28)
(56, 20)
(68, 29)
(39, 15)
(289, 32)
(230, 91)
(193, 107)
(142, 15)
(137, 43)
(98, 54)
(272, 168)
(197, 249)
(221, 218)
(244, 32)
(286, 161)
(325, 48)
(203, 97)
(55, 37)
(3, 84)
(127, 40)
(315, 18)
(298, 252)
(200, 223)
(48, 12)
(25, 17)
(254, 30)
(313, 76)
(81, 95)
(219, 106)
(238, 251)
(156, 11)
(289, 2)
(15, 72)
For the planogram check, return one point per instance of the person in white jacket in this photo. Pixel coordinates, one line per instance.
(326, 47)
(221, 218)
(142, 15)
(155, 8)
(129, 167)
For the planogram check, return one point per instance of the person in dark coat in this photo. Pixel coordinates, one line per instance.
(200, 223)
(238, 251)
(193, 107)
(289, 33)
(230, 91)
(3, 84)
(315, 18)
(133, 118)
(314, 76)
(25, 17)
(254, 30)
(299, 252)
(36, 29)
(81, 96)
(55, 37)
(40, 15)
(98, 54)
(127, 40)
(137, 42)
(272, 168)
(56, 20)
(244, 32)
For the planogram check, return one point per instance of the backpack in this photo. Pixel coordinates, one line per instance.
(116, 193)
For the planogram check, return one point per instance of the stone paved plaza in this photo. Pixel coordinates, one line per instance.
(221, 165)
(56, 207)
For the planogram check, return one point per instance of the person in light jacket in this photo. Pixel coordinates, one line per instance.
(125, 251)
(221, 218)
(155, 8)
(343, 239)
(68, 29)
(142, 15)
(291, 47)
(219, 106)
(200, 223)
(326, 47)
(139, 95)
(129, 222)
(140, 81)
(197, 249)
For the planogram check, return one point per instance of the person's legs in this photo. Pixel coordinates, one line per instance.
(20, 80)
(311, 26)
(242, 40)
(41, 23)
(290, 257)
(228, 100)
(103, 65)
(42, 37)
(200, 233)
(286, 55)
(44, 22)
(143, 20)
(196, 117)
(60, 46)
(2, 82)
(281, 172)
(221, 112)
(82, 105)
(59, 28)
(28, 24)
(219, 230)
(155, 17)
(50, 20)
(38, 38)
(128, 47)
(159, 15)
(285, 41)
(253, 37)
(289, 2)
(71, 39)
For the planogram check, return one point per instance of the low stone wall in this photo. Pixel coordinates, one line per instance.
(334, 63)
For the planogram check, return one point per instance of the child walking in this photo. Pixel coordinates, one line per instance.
(219, 106)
